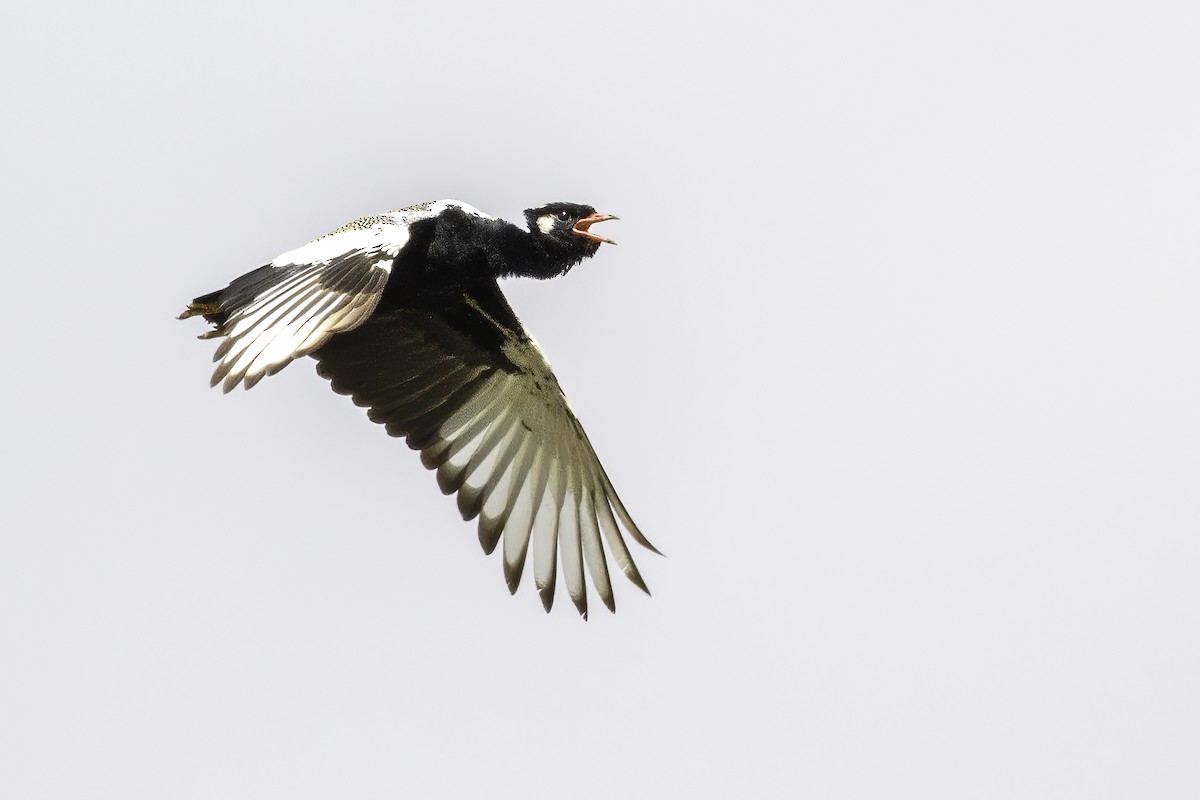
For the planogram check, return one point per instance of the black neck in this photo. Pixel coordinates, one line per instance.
(458, 250)
(532, 255)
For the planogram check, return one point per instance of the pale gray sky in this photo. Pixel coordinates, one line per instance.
(896, 361)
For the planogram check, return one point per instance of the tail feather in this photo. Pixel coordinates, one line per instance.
(208, 305)
(217, 306)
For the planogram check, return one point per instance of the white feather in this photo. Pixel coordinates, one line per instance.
(340, 243)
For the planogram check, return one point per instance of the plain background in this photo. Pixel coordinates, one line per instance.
(896, 361)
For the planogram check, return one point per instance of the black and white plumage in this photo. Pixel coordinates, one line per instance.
(403, 312)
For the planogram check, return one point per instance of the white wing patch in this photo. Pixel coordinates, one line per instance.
(438, 206)
(387, 233)
(384, 237)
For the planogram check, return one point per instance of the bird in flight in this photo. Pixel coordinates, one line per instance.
(403, 312)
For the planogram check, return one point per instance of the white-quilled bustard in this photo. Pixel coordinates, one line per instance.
(403, 312)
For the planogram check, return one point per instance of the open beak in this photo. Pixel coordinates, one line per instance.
(582, 226)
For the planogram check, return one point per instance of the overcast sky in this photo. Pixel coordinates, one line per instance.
(897, 361)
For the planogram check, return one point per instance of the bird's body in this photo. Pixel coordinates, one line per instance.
(403, 313)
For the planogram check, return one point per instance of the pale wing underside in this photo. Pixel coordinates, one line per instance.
(294, 316)
(290, 307)
(499, 432)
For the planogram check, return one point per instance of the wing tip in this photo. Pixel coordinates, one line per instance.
(512, 576)
(470, 502)
(610, 602)
(581, 604)
(546, 593)
(489, 534)
(635, 577)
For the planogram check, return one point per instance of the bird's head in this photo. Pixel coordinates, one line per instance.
(566, 226)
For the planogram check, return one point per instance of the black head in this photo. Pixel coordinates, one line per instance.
(566, 225)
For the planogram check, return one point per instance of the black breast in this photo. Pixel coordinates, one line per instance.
(443, 275)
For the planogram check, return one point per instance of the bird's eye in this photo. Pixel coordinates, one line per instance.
(563, 215)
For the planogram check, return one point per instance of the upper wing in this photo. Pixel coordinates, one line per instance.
(460, 378)
(290, 307)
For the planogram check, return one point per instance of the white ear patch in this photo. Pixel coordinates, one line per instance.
(545, 223)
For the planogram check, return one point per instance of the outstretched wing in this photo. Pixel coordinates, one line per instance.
(290, 307)
(462, 381)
